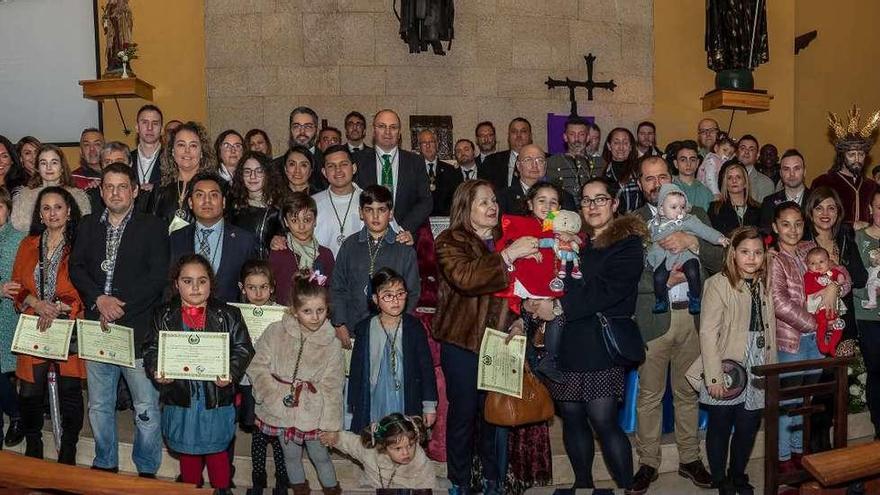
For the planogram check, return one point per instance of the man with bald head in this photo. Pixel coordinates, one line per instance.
(402, 172)
(531, 167)
(500, 168)
(439, 173)
(707, 134)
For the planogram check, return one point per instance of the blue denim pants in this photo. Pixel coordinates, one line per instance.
(102, 382)
(791, 435)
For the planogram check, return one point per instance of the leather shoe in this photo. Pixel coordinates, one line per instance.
(696, 472)
(642, 480)
(14, 434)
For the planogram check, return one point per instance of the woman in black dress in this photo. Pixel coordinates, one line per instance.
(736, 208)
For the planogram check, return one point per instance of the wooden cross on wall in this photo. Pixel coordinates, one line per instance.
(589, 84)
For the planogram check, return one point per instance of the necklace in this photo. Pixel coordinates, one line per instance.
(289, 400)
(373, 254)
(755, 289)
(391, 479)
(393, 343)
(181, 187)
(341, 237)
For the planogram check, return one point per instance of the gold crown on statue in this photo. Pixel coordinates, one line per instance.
(848, 134)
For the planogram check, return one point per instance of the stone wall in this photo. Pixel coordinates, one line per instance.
(264, 57)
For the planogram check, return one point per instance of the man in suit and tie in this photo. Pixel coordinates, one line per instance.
(531, 164)
(485, 135)
(225, 246)
(146, 157)
(500, 168)
(791, 174)
(438, 172)
(402, 172)
(355, 132)
(304, 132)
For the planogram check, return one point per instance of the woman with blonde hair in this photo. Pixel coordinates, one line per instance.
(736, 208)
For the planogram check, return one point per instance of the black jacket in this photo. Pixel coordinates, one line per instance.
(219, 318)
(444, 187)
(163, 202)
(239, 246)
(612, 267)
(771, 202)
(155, 174)
(139, 277)
(264, 223)
(418, 371)
(412, 200)
(495, 169)
(726, 219)
(512, 200)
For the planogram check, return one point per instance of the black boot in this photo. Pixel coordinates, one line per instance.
(15, 433)
(67, 454)
(548, 368)
(34, 447)
(742, 486)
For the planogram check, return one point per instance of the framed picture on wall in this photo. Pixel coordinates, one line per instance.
(442, 127)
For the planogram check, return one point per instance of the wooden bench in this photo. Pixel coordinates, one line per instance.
(841, 467)
(18, 472)
(838, 388)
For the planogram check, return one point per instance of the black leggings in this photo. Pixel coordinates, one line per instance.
(691, 269)
(726, 422)
(70, 400)
(579, 421)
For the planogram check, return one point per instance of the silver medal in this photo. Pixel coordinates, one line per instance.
(340, 239)
(181, 213)
(106, 265)
(556, 285)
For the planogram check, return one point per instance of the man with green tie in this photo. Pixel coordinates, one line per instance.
(402, 172)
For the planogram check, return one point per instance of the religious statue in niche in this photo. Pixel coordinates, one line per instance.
(442, 127)
(736, 41)
(117, 22)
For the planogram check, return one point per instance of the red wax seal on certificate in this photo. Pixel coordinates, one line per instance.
(101, 353)
(36, 346)
(186, 369)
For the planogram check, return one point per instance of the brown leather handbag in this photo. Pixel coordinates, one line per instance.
(536, 406)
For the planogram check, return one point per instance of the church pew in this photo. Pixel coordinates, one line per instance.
(842, 466)
(20, 472)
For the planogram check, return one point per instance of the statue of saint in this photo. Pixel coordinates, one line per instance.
(117, 20)
(736, 34)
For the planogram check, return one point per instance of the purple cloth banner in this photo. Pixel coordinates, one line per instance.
(555, 130)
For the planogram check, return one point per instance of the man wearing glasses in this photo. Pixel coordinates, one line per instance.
(402, 172)
(355, 131)
(707, 134)
(531, 166)
(304, 132)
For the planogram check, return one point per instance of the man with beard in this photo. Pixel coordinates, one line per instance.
(646, 139)
(304, 132)
(500, 168)
(672, 342)
(768, 162)
(791, 173)
(355, 131)
(851, 144)
(485, 135)
(571, 169)
(707, 134)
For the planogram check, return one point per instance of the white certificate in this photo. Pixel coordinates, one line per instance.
(112, 345)
(258, 318)
(194, 355)
(50, 344)
(500, 368)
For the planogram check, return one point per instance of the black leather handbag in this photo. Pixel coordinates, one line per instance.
(622, 339)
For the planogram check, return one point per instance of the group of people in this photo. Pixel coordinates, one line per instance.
(715, 258)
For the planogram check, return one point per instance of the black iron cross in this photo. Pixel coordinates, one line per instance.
(589, 84)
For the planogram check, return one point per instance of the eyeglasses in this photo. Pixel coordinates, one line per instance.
(303, 127)
(538, 160)
(253, 172)
(598, 201)
(396, 296)
(231, 146)
(703, 132)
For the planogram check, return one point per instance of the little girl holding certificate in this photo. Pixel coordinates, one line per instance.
(257, 284)
(198, 417)
(297, 375)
